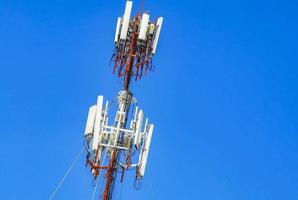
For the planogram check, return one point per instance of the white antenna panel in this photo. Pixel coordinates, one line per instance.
(126, 19)
(138, 127)
(144, 26)
(145, 150)
(98, 120)
(159, 24)
(90, 121)
(117, 29)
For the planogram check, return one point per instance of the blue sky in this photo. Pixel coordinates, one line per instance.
(223, 97)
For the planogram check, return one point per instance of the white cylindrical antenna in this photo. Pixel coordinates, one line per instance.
(139, 122)
(90, 121)
(159, 24)
(117, 29)
(145, 151)
(107, 121)
(146, 123)
(97, 125)
(144, 27)
(136, 112)
(126, 19)
(106, 108)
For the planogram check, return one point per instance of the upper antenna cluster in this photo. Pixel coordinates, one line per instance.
(135, 44)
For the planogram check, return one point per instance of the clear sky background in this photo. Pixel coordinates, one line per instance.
(223, 97)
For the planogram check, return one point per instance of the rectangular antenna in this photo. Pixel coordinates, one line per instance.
(98, 120)
(145, 150)
(90, 121)
(144, 27)
(117, 29)
(126, 19)
(138, 127)
(159, 24)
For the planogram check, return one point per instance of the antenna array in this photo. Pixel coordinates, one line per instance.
(125, 138)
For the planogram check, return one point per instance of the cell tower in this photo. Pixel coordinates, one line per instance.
(113, 148)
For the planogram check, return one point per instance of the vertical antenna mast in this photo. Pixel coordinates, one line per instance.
(135, 45)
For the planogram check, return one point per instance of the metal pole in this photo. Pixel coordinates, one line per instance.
(124, 105)
(130, 59)
(111, 171)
